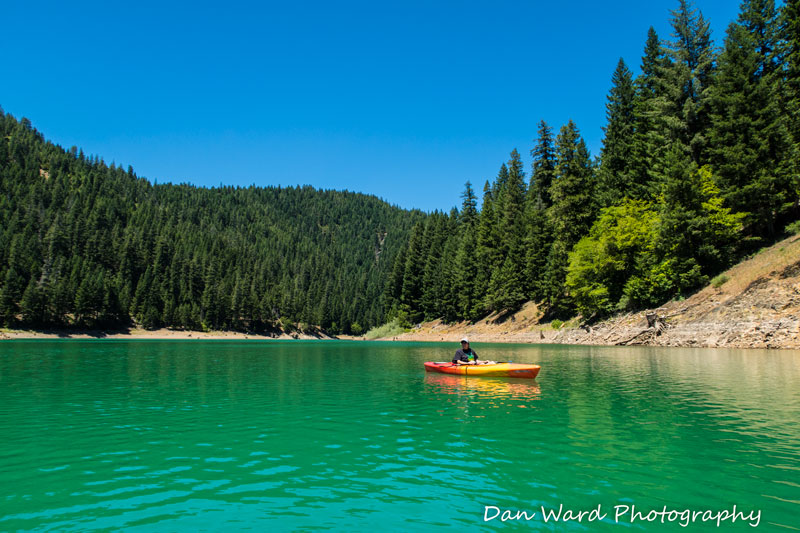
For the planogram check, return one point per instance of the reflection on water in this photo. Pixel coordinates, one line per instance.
(335, 435)
(484, 388)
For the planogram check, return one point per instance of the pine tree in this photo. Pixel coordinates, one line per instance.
(683, 108)
(538, 241)
(647, 137)
(544, 166)
(469, 206)
(614, 179)
(750, 145)
(411, 293)
(469, 291)
(33, 304)
(790, 54)
(486, 246)
(505, 284)
(449, 294)
(697, 233)
(573, 208)
(432, 277)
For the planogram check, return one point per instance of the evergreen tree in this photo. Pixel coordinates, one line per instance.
(647, 137)
(469, 293)
(33, 304)
(790, 56)
(433, 281)
(544, 166)
(685, 81)
(697, 234)
(538, 241)
(614, 179)
(466, 294)
(506, 289)
(469, 206)
(411, 293)
(485, 249)
(449, 294)
(750, 145)
(573, 209)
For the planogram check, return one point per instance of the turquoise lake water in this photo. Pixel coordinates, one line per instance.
(354, 436)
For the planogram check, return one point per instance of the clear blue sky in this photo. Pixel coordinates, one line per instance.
(404, 100)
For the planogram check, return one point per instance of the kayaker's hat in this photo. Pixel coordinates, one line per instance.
(465, 340)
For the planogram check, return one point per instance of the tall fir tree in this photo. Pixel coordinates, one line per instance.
(574, 203)
(790, 55)
(485, 245)
(647, 137)
(411, 293)
(466, 268)
(751, 146)
(681, 110)
(433, 281)
(538, 241)
(506, 289)
(614, 177)
(573, 210)
(544, 166)
(469, 206)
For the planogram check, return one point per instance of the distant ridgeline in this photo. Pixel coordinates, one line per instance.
(699, 166)
(91, 245)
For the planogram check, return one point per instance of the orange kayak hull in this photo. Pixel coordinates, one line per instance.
(504, 370)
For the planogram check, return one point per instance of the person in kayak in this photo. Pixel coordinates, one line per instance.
(465, 355)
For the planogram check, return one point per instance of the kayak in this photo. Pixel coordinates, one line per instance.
(506, 370)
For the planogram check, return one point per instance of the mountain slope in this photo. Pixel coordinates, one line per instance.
(86, 244)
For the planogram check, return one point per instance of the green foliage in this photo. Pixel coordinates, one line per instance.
(751, 144)
(697, 163)
(719, 281)
(602, 262)
(639, 254)
(615, 179)
(573, 209)
(506, 290)
(685, 81)
(390, 329)
(544, 166)
(668, 223)
(86, 244)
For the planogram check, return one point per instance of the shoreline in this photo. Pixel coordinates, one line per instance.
(156, 334)
(680, 337)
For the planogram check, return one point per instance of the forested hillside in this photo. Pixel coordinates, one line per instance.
(699, 167)
(86, 244)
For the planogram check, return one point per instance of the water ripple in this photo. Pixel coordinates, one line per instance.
(288, 436)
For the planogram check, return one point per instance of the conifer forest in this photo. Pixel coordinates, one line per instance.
(699, 167)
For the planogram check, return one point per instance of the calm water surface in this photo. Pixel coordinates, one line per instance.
(279, 436)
